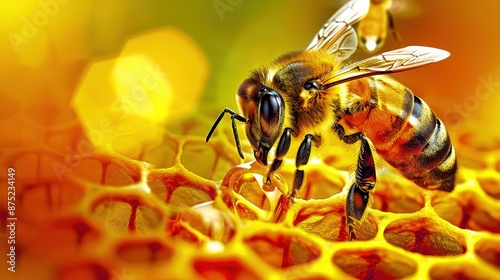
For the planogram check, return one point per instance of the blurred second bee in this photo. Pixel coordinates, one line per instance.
(374, 27)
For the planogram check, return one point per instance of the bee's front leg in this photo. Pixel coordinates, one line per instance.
(302, 159)
(281, 150)
(359, 193)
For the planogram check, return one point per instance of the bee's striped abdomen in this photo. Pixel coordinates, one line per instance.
(423, 152)
(406, 133)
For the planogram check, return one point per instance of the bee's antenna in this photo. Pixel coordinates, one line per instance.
(234, 115)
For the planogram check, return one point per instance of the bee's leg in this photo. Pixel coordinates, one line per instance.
(395, 34)
(301, 160)
(365, 178)
(348, 139)
(281, 150)
(234, 116)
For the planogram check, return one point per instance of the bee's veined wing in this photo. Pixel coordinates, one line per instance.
(389, 62)
(337, 35)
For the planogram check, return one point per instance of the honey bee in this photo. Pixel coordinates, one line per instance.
(309, 96)
(373, 28)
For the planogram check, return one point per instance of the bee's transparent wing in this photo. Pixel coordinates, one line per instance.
(337, 35)
(389, 62)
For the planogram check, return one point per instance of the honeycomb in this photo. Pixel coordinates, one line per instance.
(113, 217)
(111, 185)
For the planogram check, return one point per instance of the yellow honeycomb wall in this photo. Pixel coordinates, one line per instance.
(117, 218)
(115, 181)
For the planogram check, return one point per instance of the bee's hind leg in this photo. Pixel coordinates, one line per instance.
(359, 193)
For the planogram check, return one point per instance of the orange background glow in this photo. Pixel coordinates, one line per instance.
(47, 49)
(128, 78)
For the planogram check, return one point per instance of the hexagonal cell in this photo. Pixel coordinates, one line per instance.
(451, 211)
(460, 177)
(497, 166)
(83, 270)
(194, 152)
(330, 226)
(248, 187)
(161, 155)
(143, 251)
(223, 268)
(327, 219)
(210, 221)
(321, 182)
(118, 174)
(471, 139)
(243, 191)
(459, 270)
(283, 250)
(68, 139)
(375, 263)
(188, 196)
(308, 277)
(490, 184)
(425, 236)
(92, 170)
(386, 203)
(63, 238)
(19, 132)
(367, 229)
(178, 187)
(396, 195)
(31, 167)
(177, 230)
(120, 213)
(11, 107)
(108, 170)
(488, 249)
(47, 113)
(471, 212)
(216, 162)
(473, 163)
(225, 154)
(48, 199)
(338, 159)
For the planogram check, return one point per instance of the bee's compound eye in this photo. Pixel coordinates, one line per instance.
(310, 85)
(271, 107)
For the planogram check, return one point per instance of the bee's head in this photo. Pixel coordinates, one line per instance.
(264, 110)
(372, 35)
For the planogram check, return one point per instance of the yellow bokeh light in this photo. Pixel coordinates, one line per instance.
(143, 87)
(125, 102)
